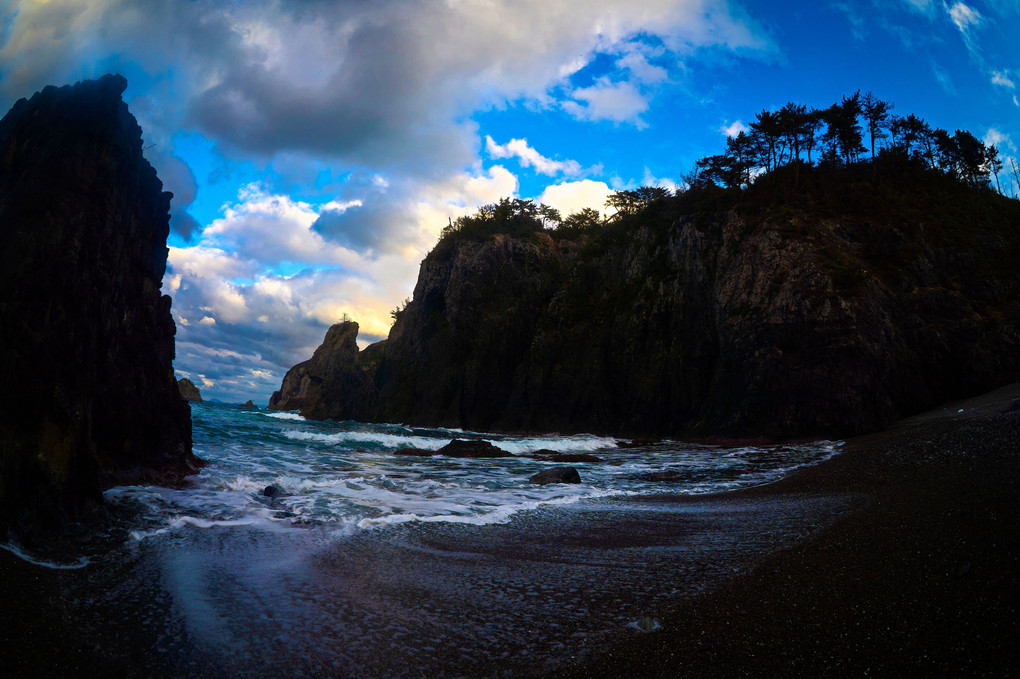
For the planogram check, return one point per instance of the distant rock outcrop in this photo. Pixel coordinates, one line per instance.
(333, 383)
(188, 390)
(249, 404)
(86, 339)
(826, 304)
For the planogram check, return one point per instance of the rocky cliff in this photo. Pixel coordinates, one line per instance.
(189, 392)
(332, 383)
(86, 338)
(826, 308)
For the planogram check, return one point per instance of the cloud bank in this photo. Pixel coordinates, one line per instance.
(382, 93)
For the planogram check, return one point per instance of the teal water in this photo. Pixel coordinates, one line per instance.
(370, 564)
(346, 476)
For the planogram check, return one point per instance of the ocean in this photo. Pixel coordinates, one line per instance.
(364, 563)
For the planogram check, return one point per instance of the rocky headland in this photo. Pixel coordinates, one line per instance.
(189, 392)
(822, 302)
(334, 382)
(86, 338)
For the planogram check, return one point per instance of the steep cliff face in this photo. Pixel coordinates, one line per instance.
(826, 311)
(457, 353)
(86, 339)
(333, 383)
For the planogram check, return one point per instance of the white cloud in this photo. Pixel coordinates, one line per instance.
(272, 229)
(1002, 79)
(381, 93)
(570, 197)
(966, 19)
(926, 7)
(268, 76)
(964, 16)
(637, 63)
(620, 102)
(529, 157)
(734, 128)
(246, 307)
(650, 179)
(999, 139)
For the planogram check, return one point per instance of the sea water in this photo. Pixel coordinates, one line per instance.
(349, 476)
(365, 563)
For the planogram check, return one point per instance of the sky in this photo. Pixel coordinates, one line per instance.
(315, 148)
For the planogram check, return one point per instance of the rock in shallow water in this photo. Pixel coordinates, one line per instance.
(553, 456)
(473, 449)
(556, 475)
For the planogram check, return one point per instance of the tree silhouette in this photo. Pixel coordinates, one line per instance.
(631, 202)
(994, 164)
(765, 131)
(843, 136)
(584, 219)
(971, 157)
(876, 116)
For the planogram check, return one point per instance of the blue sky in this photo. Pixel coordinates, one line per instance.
(316, 149)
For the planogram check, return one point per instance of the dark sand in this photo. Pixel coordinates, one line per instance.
(899, 557)
(922, 580)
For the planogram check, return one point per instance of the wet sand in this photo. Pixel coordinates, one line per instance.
(899, 557)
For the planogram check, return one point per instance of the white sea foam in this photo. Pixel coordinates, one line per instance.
(344, 477)
(496, 515)
(18, 551)
(355, 438)
(567, 444)
(283, 415)
(207, 523)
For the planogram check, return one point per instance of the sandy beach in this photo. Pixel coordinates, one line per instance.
(898, 557)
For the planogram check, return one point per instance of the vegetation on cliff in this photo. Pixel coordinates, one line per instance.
(806, 299)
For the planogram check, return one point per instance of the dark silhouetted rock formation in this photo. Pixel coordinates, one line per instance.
(556, 475)
(829, 309)
(189, 392)
(333, 383)
(249, 404)
(472, 449)
(86, 340)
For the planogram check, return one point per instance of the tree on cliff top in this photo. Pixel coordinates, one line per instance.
(511, 216)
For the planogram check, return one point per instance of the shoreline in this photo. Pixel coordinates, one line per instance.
(897, 556)
(921, 578)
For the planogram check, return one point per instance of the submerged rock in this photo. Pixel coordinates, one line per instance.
(414, 452)
(556, 475)
(553, 456)
(86, 338)
(188, 390)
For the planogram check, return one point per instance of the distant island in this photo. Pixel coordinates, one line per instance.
(793, 286)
